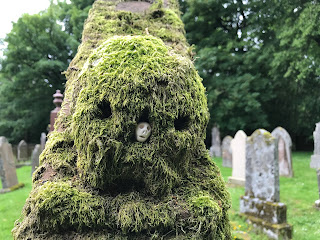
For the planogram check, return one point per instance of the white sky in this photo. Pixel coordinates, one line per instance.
(11, 10)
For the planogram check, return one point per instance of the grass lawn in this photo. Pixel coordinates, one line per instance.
(298, 193)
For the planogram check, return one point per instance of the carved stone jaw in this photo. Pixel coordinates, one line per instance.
(143, 131)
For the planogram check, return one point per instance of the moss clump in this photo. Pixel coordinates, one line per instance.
(97, 182)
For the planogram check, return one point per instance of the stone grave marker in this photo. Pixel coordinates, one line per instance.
(261, 205)
(284, 151)
(35, 157)
(43, 140)
(215, 149)
(7, 166)
(315, 158)
(22, 151)
(227, 152)
(238, 148)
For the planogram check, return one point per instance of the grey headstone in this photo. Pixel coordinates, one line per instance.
(227, 152)
(238, 147)
(315, 158)
(7, 166)
(284, 151)
(35, 157)
(262, 167)
(261, 201)
(43, 140)
(22, 151)
(215, 149)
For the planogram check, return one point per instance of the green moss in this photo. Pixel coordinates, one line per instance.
(95, 179)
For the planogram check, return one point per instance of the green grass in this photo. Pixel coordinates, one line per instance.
(298, 193)
(11, 203)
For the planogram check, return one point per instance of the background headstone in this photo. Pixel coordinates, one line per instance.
(284, 151)
(58, 96)
(22, 151)
(35, 157)
(215, 149)
(238, 147)
(43, 140)
(261, 201)
(7, 166)
(315, 158)
(227, 152)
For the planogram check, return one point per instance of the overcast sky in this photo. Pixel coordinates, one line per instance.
(11, 10)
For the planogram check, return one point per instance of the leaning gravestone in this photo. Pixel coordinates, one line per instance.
(261, 205)
(315, 158)
(284, 151)
(7, 166)
(227, 152)
(127, 158)
(35, 157)
(215, 149)
(238, 147)
(22, 151)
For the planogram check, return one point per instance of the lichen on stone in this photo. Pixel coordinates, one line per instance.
(96, 181)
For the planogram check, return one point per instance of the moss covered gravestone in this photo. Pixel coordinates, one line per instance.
(127, 159)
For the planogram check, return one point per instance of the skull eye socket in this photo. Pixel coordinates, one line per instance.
(148, 128)
(181, 123)
(141, 126)
(104, 110)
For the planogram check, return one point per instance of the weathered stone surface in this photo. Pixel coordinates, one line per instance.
(22, 151)
(43, 140)
(227, 152)
(7, 167)
(215, 149)
(238, 147)
(261, 203)
(284, 151)
(315, 158)
(262, 169)
(35, 157)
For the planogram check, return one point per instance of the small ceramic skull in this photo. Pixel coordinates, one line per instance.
(143, 131)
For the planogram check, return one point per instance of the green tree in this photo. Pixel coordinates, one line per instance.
(39, 49)
(259, 61)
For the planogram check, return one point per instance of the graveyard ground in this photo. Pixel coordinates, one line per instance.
(298, 193)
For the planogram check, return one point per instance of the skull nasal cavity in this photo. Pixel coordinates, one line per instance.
(181, 123)
(104, 110)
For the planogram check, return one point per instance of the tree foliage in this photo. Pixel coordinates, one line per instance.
(259, 61)
(39, 49)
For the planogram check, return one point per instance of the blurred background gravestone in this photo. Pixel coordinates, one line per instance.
(43, 140)
(35, 157)
(23, 151)
(284, 151)
(261, 205)
(58, 96)
(227, 152)
(7, 167)
(215, 149)
(238, 147)
(315, 158)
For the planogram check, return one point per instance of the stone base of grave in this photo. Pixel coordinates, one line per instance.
(315, 161)
(215, 151)
(267, 217)
(237, 181)
(13, 188)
